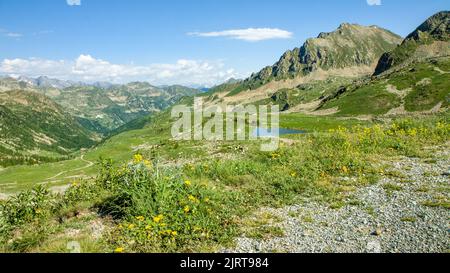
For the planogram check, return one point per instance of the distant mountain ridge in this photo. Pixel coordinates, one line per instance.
(103, 110)
(46, 82)
(44, 120)
(102, 106)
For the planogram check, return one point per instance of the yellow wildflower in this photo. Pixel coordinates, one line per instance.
(174, 233)
(148, 163)
(412, 132)
(187, 182)
(344, 169)
(130, 226)
(138, 158)
(119, 250)
(294, 174)
(193, 199)
(140, 218)
(158, 218)
(187, 209)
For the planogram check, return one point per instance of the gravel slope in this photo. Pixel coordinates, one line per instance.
(386, 220)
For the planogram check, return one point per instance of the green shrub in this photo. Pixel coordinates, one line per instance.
(160, 210)
(28, 206)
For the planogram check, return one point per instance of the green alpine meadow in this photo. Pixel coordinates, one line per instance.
(92, 160)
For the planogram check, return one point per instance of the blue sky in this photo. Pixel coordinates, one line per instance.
(193, 42)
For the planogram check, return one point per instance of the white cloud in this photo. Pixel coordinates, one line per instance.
(89, 69)
(74, 2)
(43, 32)
(32, 66)
(249, 34)
(13, 35)
(6, 33)
(374, 2)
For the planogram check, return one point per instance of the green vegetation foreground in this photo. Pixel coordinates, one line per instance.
(154, 203)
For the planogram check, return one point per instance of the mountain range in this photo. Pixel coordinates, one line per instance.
(351, 51)
(355, 70)
(101, 106)
(45, 119)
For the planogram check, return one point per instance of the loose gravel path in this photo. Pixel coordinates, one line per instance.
(89, 164)
(407, 212)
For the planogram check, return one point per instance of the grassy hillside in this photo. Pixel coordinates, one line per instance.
(120, 148)
(288, 99)
(416, 87)
(35, 130)
(201, 191)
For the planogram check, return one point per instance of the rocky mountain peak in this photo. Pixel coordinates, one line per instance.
(430, 39)
(437, 26)
(349, 45)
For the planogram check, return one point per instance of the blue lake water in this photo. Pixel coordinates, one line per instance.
(264, 132)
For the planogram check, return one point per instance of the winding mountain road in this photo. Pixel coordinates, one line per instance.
(89, 164)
